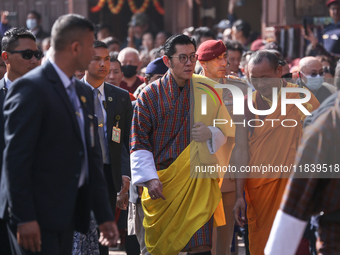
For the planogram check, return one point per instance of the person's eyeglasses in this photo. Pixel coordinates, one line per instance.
(28, 54)
(287, 76)
(316, 74)
(321, 73)
(328, 69)
(184, 58)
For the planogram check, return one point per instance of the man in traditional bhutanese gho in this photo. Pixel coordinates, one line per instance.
(174, 138)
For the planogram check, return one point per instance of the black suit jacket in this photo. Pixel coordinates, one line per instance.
(44, 152)
(2, 99)
(118, 106)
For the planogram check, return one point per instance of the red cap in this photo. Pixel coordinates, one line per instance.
(258, 44)
(210, 49)
(329, 2)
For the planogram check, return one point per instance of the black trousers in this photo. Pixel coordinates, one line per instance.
(52, 242)
(56, 243)
(60, 242)
(110, 187)
(104, 250)
(5, 247)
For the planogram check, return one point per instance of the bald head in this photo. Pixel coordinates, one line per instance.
(309, 65)
(129, 56)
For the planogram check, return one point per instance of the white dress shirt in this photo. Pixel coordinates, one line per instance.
(8, 82)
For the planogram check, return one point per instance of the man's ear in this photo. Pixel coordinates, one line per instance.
(4, 56)
(146, 81)
(279, 71)
(203, 64)
(167, 61)
(75, 48)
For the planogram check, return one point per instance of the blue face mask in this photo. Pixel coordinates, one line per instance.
(314, 83)
(31, 24)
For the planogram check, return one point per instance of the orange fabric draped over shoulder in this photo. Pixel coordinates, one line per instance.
(271, 145)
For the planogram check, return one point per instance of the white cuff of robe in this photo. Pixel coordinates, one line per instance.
(143, 167)
(217, 139)
(286, 235)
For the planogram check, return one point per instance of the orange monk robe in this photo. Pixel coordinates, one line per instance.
(274, 146)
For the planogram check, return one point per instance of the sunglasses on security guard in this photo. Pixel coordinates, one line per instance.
(28, 54)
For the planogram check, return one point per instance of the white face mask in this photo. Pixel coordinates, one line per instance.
(314, 83)
(31, 24)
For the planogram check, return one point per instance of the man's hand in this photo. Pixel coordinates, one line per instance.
(122, 201)
(125, 185)
(310, 36)
(108, 233)
(123, 197)
(200, 132)
(231, 6)
(4, 15)
(240, 207)
(28, 235)
(155, 188)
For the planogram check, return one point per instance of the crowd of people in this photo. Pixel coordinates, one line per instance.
(103, 138)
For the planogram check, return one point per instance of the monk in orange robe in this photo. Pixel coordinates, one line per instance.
(273, 140)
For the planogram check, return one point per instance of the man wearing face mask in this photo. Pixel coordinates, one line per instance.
(33, 23)
(129, 58)
(311, 76)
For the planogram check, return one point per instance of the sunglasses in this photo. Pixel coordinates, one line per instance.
(28, 54)
(321, 73)
(328, 69)
(287, 76)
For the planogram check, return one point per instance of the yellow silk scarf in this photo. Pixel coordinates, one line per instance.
(190, 202)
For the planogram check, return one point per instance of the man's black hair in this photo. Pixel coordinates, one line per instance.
(242, 25)
(170, 44)
(99, 44)
(36, 14)
(102, 27)
(11, 38)
(113, 58)
(67, 29)
(113, 41)
(166, 33)
(234, 45)
(203, 32)
(245, 57)
(148, 76)
(261, 55)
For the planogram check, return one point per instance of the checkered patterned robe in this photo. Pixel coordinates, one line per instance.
(320, 144)
(161, 121)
